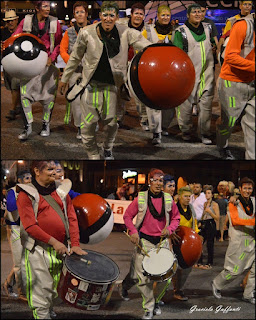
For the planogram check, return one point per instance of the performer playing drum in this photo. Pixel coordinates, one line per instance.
(155, 221)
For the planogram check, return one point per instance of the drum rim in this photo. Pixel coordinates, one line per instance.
(93, 282)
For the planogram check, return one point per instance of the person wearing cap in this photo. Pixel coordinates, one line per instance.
(103, 50)
(155, 220)
(80, 11)
(12, 220)
(11, 83)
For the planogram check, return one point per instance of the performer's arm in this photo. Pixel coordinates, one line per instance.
(236, 220)
(233, 49)
(11, 204)
(64, 47)
(58, 37)
(174, 218)
(129, 214)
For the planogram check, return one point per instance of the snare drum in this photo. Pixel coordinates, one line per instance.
(87, 281)
(161, 265)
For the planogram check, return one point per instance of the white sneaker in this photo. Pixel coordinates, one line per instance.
(45, 129)
(157, 311)
(215, 291)
(26, 132)
(148, 315)
(156, 138)
(250, 300)
(108, 155)
(205, 140)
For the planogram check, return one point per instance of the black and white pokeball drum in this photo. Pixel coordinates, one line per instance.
(24, 56)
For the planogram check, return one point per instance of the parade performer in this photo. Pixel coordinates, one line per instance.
(48, 228)
(80, 12)
(102, 46)
(161, 32)
(187, 219)
(155, 219)
(240, 255)
(236, 88)
(42, 88)
(12, 220)
(194, 37)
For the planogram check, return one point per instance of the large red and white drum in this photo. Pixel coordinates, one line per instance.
(87, 281)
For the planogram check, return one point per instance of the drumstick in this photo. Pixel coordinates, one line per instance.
(159, 245)
(137, 244)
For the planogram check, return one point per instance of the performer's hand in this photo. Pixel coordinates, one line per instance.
(58, 246)
(233, 199)
(62, 87)
(135, 238)
(165, 232)
(49, 62)
(78, 251)
(175, 238)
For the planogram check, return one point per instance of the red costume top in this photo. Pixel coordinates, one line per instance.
(48, 223)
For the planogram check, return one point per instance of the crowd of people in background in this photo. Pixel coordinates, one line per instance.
(198, 37)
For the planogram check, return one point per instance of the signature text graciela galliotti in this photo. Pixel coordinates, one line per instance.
(217, 309)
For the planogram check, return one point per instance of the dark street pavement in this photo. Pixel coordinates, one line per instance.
(132, 143)
(118, 247)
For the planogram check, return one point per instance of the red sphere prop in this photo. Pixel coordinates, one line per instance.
(95, 217)
(161, 76)
(190, 248)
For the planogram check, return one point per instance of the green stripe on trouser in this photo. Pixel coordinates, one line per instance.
(168, 282)
(29, 279)
(55, 266)
(202, 80)
(67, 114)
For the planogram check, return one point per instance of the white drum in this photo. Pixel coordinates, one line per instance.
(160, 265)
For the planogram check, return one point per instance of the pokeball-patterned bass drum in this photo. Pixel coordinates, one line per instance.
(87, 281)
(24, 56)
(161, 76)
(95, 217)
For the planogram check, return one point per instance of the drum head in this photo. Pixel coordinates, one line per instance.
(158, 263)
(100, 269)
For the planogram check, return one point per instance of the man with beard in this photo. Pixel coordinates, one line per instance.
(198, 200)
(103, 50)
(240, 255)
(155, 220)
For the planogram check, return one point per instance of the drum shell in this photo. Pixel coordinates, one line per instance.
(82, 293)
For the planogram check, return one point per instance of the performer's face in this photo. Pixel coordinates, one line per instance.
(246, 7)
(246, 190)
(156, 184)
(47, 175)
(184, 198)
(137, 17)
(195, 16)
(80, 14)
(44, 10)
(108, 19)
(170, 187)
(26, 178)
(164, 17)
(59, 175)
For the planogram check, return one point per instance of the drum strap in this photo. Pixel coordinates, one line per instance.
(57, 208)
